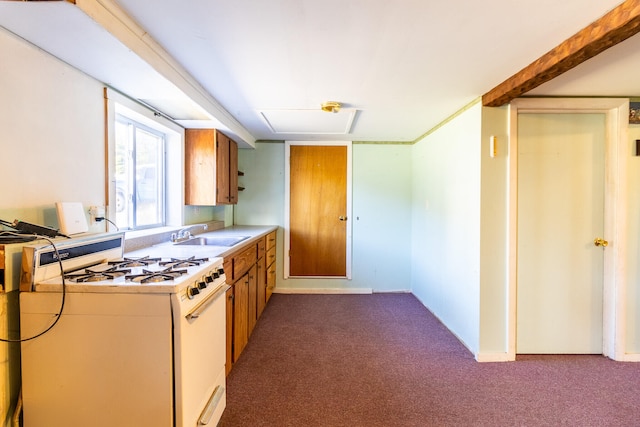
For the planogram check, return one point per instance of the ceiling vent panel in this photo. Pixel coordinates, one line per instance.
(309, 121)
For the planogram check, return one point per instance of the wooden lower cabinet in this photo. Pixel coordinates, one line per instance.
(229, 344)
(252, 310)
(248, 272)
(270, 261)
(271, 281)
(261, 285)
(240, 316)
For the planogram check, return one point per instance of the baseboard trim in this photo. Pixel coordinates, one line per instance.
(322, 290)
(631, 357)
(493, 357)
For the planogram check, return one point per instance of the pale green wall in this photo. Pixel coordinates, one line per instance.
(382, 216)
(199, 214)
(262, 201)
(445, 257)
(381, 223)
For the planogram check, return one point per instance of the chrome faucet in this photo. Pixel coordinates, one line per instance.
(185, 233)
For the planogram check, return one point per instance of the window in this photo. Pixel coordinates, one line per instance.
(139, 175)
(145, 161)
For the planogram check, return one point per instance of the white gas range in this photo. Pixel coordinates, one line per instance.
(140, 341)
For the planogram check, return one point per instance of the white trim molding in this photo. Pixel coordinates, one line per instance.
(346, 291)
(616, 111)
(287, 202)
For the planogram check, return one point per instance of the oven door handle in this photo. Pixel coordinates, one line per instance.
(200, 308)
(207, 413)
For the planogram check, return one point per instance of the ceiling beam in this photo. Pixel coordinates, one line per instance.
(614, 27)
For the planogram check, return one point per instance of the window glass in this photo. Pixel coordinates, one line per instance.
(139, 175)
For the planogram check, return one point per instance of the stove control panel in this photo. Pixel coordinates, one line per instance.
(203, 282)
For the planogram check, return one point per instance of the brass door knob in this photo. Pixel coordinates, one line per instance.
(342, 218)
(600, 242)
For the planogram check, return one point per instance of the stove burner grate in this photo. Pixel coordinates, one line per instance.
(148, 276)
(134, 262)
(91, 275)
(184, 262)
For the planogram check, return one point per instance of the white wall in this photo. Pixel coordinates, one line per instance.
(494, 296)
(52, 148)
(52, 137)
(51, 134)
(446, 224)
(381, 213)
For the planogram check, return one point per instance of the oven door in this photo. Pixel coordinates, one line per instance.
(200, 357)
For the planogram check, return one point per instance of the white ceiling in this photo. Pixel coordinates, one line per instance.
(399, 68)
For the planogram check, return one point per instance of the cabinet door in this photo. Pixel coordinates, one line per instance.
(261, 274)
(271, 240)
(200, 167)
(229, 359)
(242, 261)
(270, 262)
(240, 316)
(271, 280)
(252, 299)
(222, 172)
(233, 172)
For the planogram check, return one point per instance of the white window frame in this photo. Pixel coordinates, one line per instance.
(117, 103)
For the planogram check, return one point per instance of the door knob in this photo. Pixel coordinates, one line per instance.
(600, 242)
(342, 218)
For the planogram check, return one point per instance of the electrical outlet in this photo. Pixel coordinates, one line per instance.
(96, 212)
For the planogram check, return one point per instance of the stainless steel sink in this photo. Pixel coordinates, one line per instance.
(214, 241)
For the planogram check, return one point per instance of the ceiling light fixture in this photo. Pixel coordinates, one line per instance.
(331, 106)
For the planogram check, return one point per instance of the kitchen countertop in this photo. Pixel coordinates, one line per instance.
(169, 249)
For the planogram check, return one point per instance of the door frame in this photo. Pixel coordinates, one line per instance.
(616, 112)
(287, 202)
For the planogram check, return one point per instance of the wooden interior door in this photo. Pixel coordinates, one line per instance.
(318, 211)
(560, 213)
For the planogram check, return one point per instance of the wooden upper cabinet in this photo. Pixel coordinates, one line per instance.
(233, 172)
(211, 168)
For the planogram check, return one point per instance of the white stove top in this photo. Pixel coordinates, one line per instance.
(98, 265)
(139, 279)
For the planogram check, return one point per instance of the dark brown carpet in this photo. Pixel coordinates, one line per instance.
(385, 360)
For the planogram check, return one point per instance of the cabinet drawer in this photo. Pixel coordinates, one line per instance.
(244, 260)
(262, 247)
(271, 240)
(271, 280)
(271, 255)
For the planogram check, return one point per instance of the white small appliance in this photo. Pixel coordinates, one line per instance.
(71, 218)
